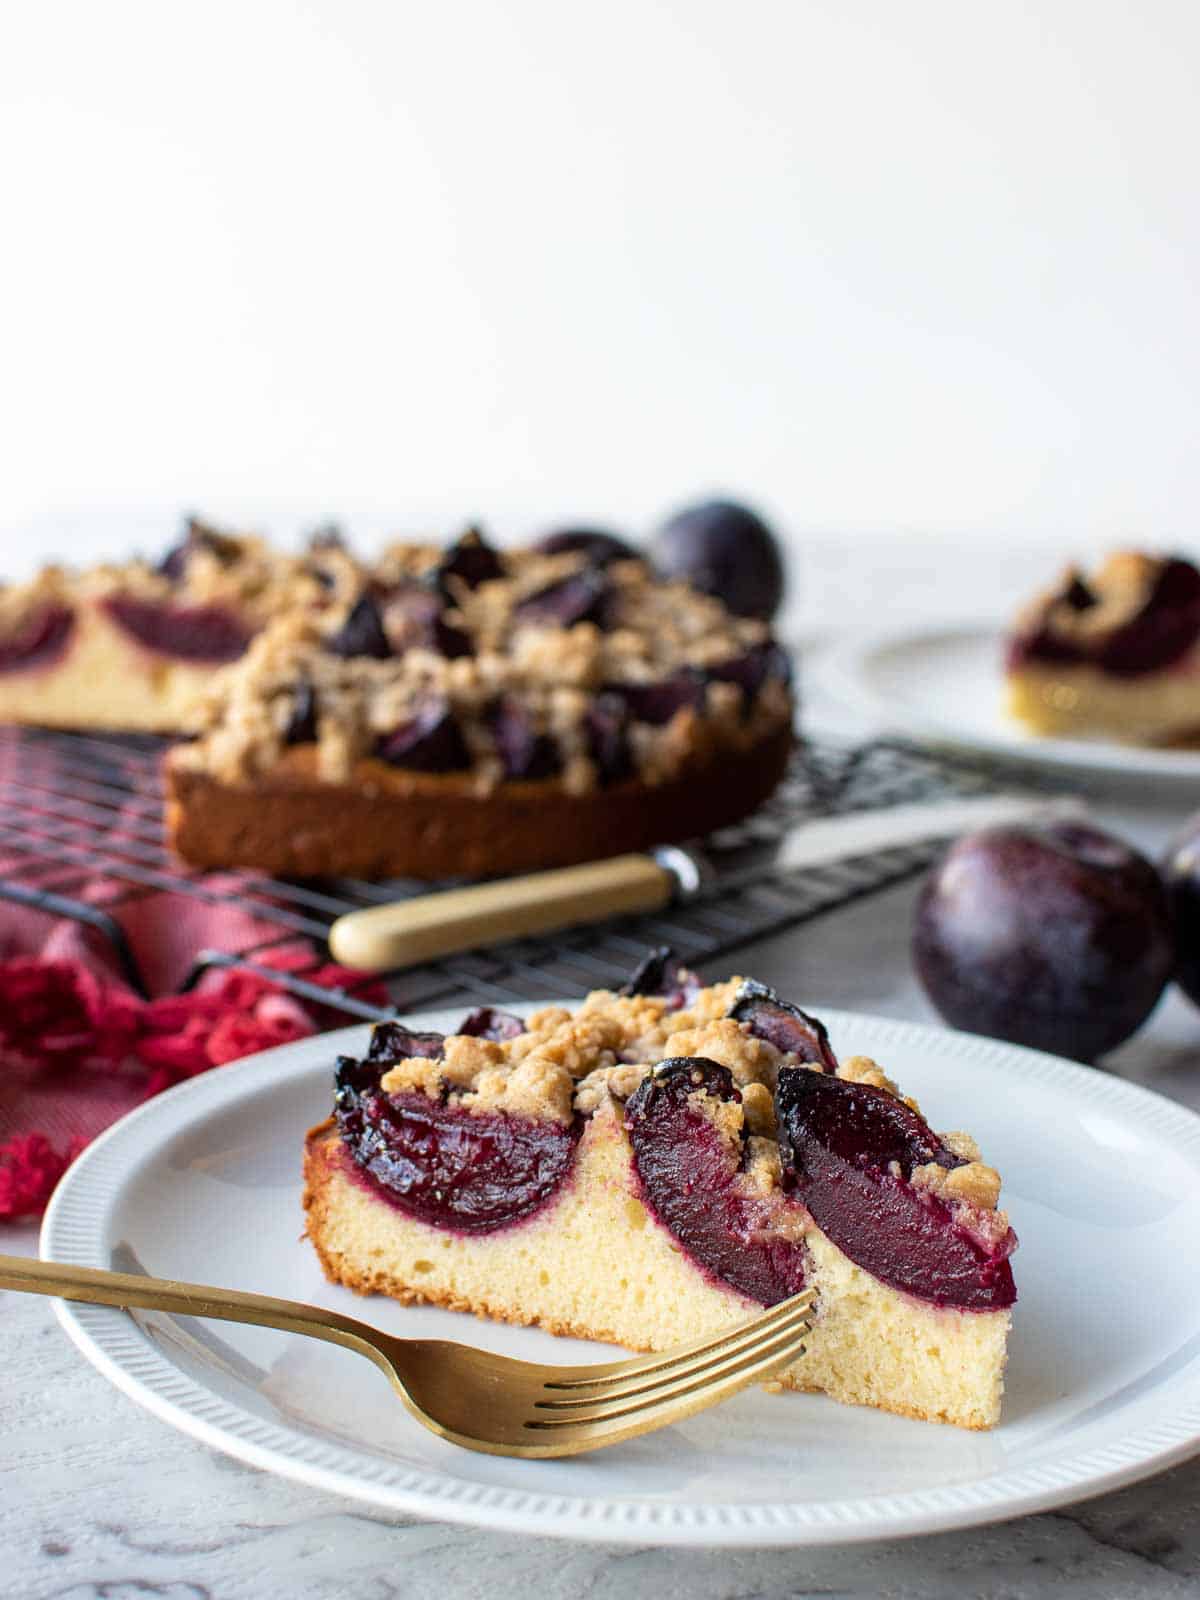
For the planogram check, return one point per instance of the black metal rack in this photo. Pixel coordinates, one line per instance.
(81, 837)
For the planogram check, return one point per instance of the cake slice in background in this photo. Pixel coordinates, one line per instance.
(1113, 654)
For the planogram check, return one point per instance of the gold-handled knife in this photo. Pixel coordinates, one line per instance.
(406, 932)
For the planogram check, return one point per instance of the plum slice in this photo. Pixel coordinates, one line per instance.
(606, 723)
(1166, 628)
(362, 633)
(657, 703)
(848, 1151)
(392, 1042)
(472, 1172)
(40, 641)
(471, 561)
(598, 549)
(782, 1024)
(415, 620)
(523, 751)
(661, 972)
(190, 633)
(302, 723)
(487, 1022)
(583, 597)
(430, 741)
(692, 1184)
(753, 668)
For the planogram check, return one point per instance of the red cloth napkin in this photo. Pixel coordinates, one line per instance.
(79, 1048)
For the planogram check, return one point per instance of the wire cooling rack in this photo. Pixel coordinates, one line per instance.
(81, 838)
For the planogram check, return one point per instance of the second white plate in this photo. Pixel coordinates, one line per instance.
(946, 683)
(1102, 1180)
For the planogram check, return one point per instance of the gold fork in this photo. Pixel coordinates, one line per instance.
(472, 1397)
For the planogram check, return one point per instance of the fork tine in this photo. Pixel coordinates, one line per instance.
(752, 1337)
(606, 1377)
(775, 1352)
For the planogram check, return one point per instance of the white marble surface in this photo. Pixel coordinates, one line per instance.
(103, 1501)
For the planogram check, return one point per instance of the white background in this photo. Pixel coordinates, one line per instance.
(925, 270)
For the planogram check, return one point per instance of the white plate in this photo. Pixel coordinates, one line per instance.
(1102, 1180)
(946, 683)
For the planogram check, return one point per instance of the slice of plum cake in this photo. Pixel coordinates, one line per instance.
(664, 1162)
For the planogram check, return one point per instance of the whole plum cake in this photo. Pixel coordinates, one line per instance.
(131, 647)
(663, 1163)
(473, 710)
(1113, 654)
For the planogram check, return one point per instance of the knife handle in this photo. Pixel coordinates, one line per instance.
(431, 925)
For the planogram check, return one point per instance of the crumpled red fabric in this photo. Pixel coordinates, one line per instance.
(69, 1034)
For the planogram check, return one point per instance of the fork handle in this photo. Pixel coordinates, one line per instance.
(128, 1289)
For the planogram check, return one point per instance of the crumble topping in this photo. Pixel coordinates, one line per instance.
(567, 1064)
(547, 671)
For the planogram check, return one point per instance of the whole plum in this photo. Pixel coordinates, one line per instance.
(1182, 873)
(726, 550)
(1056, 936)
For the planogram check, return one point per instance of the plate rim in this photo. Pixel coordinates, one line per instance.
(841, 669)
(112, 1342)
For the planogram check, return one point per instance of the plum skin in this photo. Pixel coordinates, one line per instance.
(1181, 872)
(726, 550)
(1057, 937)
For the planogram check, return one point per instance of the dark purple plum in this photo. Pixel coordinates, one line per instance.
(302, 723)
(471, 1172)
(607, 725)
(470, 561)
(392, 1041)
(751, 670)
(524, 752)
(1181, 872)
(778, 1022)
(657, 703)
(583, 597)
(600, 549)
(726, 550)
(189, 633)
(414, 618)
(691, 1183)
(362, 633)
(41, 640)
(848, 1153)
(1056, 936)
(430, 741)
(489, 1023)
(661, 972)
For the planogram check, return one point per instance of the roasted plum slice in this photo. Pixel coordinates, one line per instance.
(598, 548)
(752, 669)
(848, 1152)
(189, 633)
(472, 1172)
(197, 536)
(414, 618)
(693, 1184)
(393, 1041)
(661, 972)
(656, 703)
(39, 641)
(488, 1022)
(470, 561)
(782, 1024)
(584, 596)
(606, 722)
(430, 741)
(523, 751)
(362, 633)
(302, 722)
